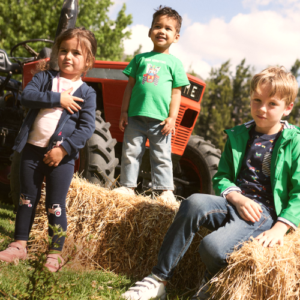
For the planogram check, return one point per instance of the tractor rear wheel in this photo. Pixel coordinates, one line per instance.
(97, 159)
(196, 168)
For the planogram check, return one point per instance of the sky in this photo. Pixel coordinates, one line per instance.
(264, 32)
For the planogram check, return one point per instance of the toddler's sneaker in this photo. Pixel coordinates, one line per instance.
(52, 263)
(125, 191)
(148, 288)
(167, 197)
(203, 292)
(14, 251)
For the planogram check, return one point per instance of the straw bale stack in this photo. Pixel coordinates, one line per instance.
(261, 273)
(127, 233)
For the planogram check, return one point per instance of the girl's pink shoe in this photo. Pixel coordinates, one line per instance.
(52, 263)
(14, 251)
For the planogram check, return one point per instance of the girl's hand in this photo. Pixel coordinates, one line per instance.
(68, 102)
(274, 235)
(169, 126)
(54, 156)
(123, 121)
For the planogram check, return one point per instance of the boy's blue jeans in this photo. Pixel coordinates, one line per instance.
(137, 131)
(214, 213)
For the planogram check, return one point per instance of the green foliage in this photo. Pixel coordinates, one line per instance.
(43, 284)
(241, 94)
(216, 106)
(294, 116)
(226, 102)
(21, 20)
(109, 34)
(295, 68)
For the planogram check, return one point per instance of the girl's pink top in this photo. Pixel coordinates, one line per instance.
(47, 119)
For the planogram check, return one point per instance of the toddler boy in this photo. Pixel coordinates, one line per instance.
(258, 183)
(150, 106)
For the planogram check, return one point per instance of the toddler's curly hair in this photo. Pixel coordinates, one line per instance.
(171, 13)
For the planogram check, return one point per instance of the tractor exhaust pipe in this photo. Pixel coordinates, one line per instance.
(67, 20)
(68, 16)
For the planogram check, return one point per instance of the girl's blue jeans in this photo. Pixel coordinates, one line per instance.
(137, 131)
(216, 214)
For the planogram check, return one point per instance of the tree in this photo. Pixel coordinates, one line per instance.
(216, 106)
(21, 20)
(294, 116)
(241, 94)
(226, 102)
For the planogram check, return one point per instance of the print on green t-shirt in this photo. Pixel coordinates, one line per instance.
(155, 74)
(151, 75)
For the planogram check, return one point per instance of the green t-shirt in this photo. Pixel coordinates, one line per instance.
(155, 74)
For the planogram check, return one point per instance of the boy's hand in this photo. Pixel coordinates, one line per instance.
(54, 156)
(68, 102)
(248, 209)
(274, 235)
(169, 126)
(123, 121)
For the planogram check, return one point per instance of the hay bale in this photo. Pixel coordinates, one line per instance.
(255, 272)
(127, 233)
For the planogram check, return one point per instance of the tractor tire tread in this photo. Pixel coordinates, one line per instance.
(208, 157)
(97, 158)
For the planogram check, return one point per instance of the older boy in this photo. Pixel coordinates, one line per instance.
(150, 106)
(258, 181)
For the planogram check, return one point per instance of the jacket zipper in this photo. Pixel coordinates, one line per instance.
(61, 127)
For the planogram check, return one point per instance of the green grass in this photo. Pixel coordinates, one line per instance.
(81, 285)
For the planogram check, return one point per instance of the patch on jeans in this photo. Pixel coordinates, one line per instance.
(24, 201)
(56, 210)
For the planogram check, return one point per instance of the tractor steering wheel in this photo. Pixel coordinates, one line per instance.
(28, 48)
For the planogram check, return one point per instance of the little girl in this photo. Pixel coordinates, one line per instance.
(60, 121)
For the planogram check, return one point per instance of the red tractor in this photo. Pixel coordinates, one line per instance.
(195, 160)
(151, 75)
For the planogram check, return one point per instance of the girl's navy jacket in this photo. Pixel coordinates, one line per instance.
(73, 130)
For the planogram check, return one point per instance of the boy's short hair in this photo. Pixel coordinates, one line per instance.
(171, 13)
(282, 82)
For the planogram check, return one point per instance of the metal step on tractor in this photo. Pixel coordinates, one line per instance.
(195, 160)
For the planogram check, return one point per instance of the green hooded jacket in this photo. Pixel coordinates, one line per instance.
(285, 169)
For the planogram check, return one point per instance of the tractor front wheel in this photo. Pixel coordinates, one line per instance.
(196, 168)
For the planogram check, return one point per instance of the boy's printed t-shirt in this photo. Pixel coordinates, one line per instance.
(254, 177)
(155, 74)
